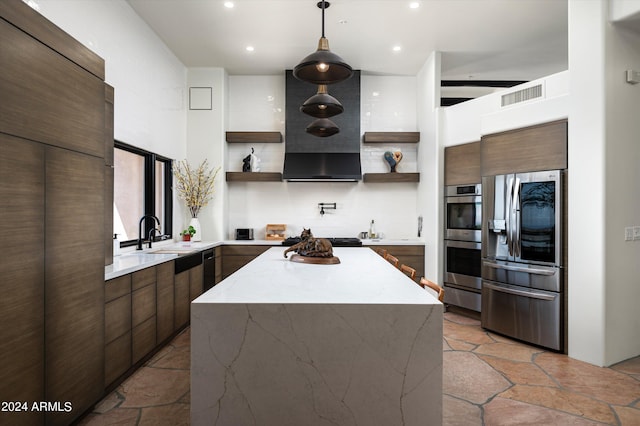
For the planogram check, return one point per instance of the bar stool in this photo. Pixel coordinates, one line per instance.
(392, 259)
(433, 288)
(409, 271)
(382, 252)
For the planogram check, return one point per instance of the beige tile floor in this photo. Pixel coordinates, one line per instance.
(488, 380)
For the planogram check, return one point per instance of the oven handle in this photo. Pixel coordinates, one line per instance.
(524, 293)
(520, 269)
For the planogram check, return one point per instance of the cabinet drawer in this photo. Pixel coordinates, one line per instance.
(117, 318)
(143, 304)
(117, 358)
(402, 250)
(117, 287)
(143, 278)
(143, 339)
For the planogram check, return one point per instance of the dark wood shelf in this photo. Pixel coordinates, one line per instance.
(254, 137)
(254, 177)
(391, 177)
(391, 137)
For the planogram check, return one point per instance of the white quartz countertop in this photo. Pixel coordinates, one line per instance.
(362, 277)
(133, 260)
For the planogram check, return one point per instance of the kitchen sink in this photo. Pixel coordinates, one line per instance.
(179, 252)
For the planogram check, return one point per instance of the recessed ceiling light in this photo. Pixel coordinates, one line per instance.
(229, 4)
(414, 4)
(249, 48)
(376, 93)
(397, 48)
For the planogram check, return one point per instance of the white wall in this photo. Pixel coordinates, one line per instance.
(205, 134)
(431, 160)
(258, 102)
(149, 80)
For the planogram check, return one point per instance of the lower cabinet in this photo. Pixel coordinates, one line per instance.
(235, 257)
(142, 311)
(164, 301)
(410, 255)
(117, 333)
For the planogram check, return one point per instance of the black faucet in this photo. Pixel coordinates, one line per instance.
(151, 234)
(140, 229)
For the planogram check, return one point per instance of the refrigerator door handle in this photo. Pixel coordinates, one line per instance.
(507, 216)
(520, 269)
(516, 214)
(524, 293)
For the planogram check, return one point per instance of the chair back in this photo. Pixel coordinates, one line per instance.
(409, 271)
(434, 288)
(392, 260)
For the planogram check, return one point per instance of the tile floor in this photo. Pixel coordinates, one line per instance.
(488, 380)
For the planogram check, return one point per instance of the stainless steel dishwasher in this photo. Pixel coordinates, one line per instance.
(209, 267)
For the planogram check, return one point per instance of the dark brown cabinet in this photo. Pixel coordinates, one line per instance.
(52, 126)
(117, 328)
(182, 299)
(462, 164)
(540, 147)
(235, 257)
(143, 313)
(165, 301)
(22, 275)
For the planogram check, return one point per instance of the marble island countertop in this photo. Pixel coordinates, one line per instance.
(272, 278)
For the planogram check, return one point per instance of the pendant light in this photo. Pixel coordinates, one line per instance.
(322, 127)
(323, 66)
(322, 104)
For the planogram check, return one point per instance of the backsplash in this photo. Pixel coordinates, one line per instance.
(387, 104)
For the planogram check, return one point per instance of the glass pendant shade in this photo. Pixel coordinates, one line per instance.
(322, 66)
(322, 104)
(322, 127)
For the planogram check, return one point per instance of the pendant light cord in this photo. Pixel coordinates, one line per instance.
(323, 7)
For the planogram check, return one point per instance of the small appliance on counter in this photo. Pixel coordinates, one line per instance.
(275, 231)
(244, 233)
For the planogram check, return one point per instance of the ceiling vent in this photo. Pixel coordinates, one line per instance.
(522, 95)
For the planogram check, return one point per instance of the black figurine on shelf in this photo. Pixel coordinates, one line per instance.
(251, 163)
(246, 163)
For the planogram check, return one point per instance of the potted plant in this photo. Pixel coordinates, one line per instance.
(195, 186)
(188, 233)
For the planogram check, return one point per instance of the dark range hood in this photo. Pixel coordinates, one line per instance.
(310, 158)
(322, 166)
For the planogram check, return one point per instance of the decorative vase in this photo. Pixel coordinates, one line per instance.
(196, 225)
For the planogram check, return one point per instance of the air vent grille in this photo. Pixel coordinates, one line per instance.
(522, 95)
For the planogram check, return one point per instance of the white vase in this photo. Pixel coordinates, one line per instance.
(196, 225)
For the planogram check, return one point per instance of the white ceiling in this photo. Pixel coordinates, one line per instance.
(479, 39)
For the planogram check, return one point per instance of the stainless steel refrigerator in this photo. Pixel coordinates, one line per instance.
(522, 257)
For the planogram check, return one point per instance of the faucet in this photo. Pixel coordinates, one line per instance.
(140, 228)
(151, 234)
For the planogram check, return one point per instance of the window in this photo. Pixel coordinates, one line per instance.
(141, 186)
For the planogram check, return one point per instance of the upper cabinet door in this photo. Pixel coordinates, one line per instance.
(47, 98)
(462, 164)
(530, 149)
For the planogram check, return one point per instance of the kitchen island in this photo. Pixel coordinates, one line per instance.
(286, 343)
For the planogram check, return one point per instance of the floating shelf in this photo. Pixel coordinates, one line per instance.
(391, 137)
(391, 177)
(254, 137)
(254, 177)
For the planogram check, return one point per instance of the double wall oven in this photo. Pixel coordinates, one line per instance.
(462, 246)
(522, 257)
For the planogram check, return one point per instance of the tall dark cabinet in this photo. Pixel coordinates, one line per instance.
(53, 125)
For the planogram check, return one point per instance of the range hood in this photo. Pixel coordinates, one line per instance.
(310, 158)
(322, 166)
